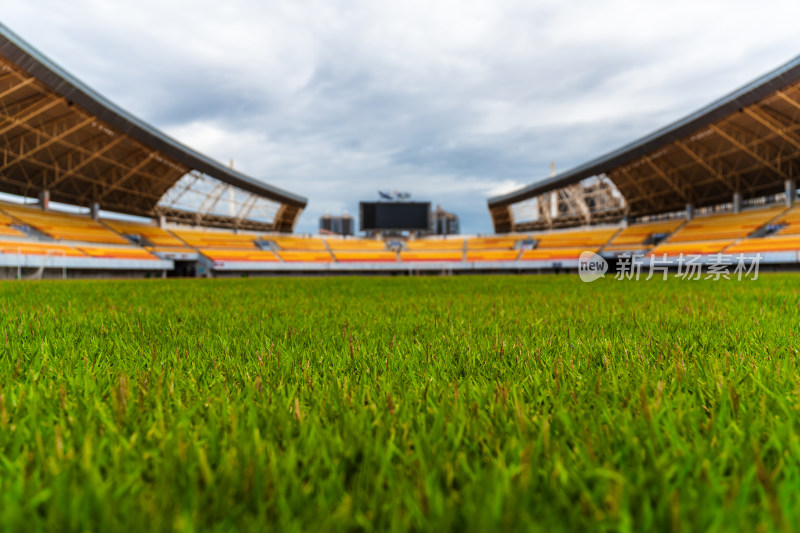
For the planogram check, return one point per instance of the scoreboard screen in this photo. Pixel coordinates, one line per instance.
(376, 216)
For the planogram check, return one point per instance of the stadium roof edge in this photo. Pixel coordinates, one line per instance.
(28, 58)
(740, 98)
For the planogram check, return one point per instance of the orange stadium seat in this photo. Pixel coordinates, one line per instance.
(217, 239)
(306, 256)
(788, 243)
(170, 249)
(791, 219)
(366, 256)
(690, 248)
(492, 255)
(494, 243)
(116, 252)
(63, 226)
(725, 225)
(218, 255)
(39, 248)
(593, 238)
(297, 243)
(6, 230)
(634, 236)
(626, 247)
(435, 244)
(150, 234)
(355, 244)
(432, 255)
(554, 254)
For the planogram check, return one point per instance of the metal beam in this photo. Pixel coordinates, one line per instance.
(50, 140)
(748, 150)
(716, 173)
(669, 180)
(768, 122)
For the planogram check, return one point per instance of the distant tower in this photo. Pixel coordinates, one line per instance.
(444, 223)
(338, 225)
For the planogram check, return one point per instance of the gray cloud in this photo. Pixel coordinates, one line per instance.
(453, 101)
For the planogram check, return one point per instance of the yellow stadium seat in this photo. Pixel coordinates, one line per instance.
(766, 244)
(116, 252)
(370, 256)
(63, 226)
(690, 248)
(432, 255)
(150, 233)
(637, 234)
(170, 249)
(216, 254)
(435, 244)
(791, 219)
(593, 238)
(494, 243)
(8, 231)
(305, 256)
(217, 239)
(554, 254)
(492, 255)
(354, 244)
(297, 243)
(39, 248)
(725, 226)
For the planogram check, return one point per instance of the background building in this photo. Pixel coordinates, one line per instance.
(444, 222)
(338, 225)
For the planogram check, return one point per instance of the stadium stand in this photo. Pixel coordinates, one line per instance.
(354, 244)
(116, 252)
(790, 221)
(725, 225)
(216, 239)
(226, 254)
(787, 243)
(63, 226)
(297, 243)
(360, 250)
(364, 256)
(435, 244)
(494, 243)
(637, 236)
(554, 254)
(690, 248)
(590, 238)
(39, 248)
(684, 167)
(305, 256)
(492, 255)
(149, 235)
(301, 249)
(5, 228)
(432, 255)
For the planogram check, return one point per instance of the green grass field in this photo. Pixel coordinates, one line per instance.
(469, 403)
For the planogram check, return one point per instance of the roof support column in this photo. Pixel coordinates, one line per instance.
(689, 211)
(737, 202)
(95, 209)
(44, 199)
(790, 186)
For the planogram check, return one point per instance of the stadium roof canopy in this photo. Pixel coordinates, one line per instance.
(747, 142)
(59, 135)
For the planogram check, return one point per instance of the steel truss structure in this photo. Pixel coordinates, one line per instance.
(58, 135)
(746, 144)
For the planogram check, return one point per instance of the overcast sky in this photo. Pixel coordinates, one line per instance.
(452, 101)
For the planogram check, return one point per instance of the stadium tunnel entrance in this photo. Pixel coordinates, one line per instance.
(184, 269)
